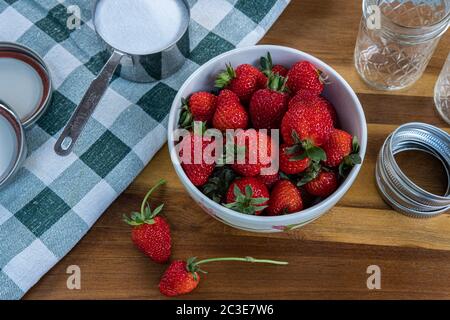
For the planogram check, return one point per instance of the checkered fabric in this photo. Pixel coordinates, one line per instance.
(55, 200)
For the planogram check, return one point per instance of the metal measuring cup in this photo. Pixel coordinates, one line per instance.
(135, 66)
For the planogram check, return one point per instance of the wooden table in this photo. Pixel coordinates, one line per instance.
(328, 258)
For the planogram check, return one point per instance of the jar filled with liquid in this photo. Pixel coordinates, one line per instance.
(397, 39)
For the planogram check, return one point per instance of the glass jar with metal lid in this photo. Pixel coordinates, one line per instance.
(25, 94)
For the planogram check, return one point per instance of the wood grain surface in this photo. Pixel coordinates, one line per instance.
(328, 258)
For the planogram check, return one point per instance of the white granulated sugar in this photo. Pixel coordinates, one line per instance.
(141, 26)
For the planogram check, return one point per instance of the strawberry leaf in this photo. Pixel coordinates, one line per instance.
(224, 78)
(266, 64)
(218, 184)
(310, 174)
(245, 203)
(316, 154)
(186, 118)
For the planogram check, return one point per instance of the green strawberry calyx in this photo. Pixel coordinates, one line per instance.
(352, 159)
(266, 64)
(187, 119)
(224, 78)
(218, 183)
(245, 203)
(277, 83)
(192, 265)
(310, 174)
(315, 154)
(146, 215)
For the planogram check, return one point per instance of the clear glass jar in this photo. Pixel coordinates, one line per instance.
(397, 39)
(442, 92)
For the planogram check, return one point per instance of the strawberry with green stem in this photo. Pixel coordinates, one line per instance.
(199, 107)
(182, 277)
(309, 127)
(244, 81)
(151, 233)
(342, 150)
(323, 185)
(302, 150)
(268, 68)
(247, 195)
(268, 106)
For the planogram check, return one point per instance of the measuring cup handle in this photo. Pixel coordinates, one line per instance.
(92, 97)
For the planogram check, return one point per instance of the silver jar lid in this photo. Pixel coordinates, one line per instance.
(12, 144)
(395, 187)
(19, 58)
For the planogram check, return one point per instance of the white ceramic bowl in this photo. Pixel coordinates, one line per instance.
(348, 107)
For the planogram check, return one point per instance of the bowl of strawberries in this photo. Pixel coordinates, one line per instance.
(266, 138)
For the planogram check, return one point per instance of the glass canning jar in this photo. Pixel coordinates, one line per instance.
(442, 92)
(397, 39)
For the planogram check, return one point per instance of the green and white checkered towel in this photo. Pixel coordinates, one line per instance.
(55, 200)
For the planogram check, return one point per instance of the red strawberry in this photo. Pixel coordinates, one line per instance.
(178, 279)
(342, 150)
(291, 160)
(268, 68)
(268, 106)
(226, 97)
(244, 81)
(254, 153)
(280, 70)
(285, 198)
(270, 179)
(151, 233)
(324, 185)
(247, 195)
(230, 114)
(305, 97)
(308, 126)
(199, 172)
(200, 107)
(182, 277)
(304, 75)
(302, 96)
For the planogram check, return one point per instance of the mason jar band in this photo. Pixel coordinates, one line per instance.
(395, 187)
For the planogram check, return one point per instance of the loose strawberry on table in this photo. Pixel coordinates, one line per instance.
(151, 233)
(182, 277)
(268, 105)
(247, 195)
(285, 198)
